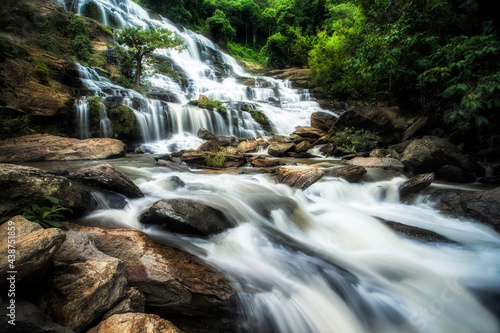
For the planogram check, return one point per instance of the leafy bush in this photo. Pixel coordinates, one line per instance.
(123, 120)
(216, 161)
(15, 126)
(42, 70)
(245, 53)
(50, 44)
(260, 117)
(83, 48)
(211, 105)
(352, 140)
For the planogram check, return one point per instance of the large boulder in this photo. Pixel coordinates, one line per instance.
(107, 177)
(377, 162)
(300, 179)
(133, 301)
(82, 284)
(264, 163)
(187, 216)
(205, 134)
(248, 146)
(34, 184)
(45, 147)
(323, 120)
(172, 281)
(33, 250)
(431, 153)
(350, 173)
(280, 149)
(307, 133)
(415, 184)
(483, 206)
(303, 147)
(135, 323)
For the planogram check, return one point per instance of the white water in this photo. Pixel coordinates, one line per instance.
(165, 125)
(318, 260)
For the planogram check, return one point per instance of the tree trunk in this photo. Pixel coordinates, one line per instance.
(138, 72)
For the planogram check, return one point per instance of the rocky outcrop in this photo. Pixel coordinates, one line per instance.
(376, 162)
(323, 121)
(205, 134)
(135, 323)
(45, 147)
(82, 284)
(415, 184)
(430, 153)
(303, 147)
(248, 146)
(187, 216)
(280, 149)
(133, 301)
(483, 206)
(350, 173)
(172, 281)
(300, 179)
(307, 133)
(35, 184)
(34, 249)
(107, 177)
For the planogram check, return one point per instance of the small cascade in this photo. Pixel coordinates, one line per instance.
(105, 127)
(81, 109)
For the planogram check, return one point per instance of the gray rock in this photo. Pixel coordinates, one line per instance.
(280, 149)
(376, 162)
(415, 184)
(300, 179)
(134, 301)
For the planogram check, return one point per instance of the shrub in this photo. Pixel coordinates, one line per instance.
(211, 105)
(260, 117)
(41, 69)
(123, 121)
(352, 140)
(15, 126)
(50, 44)
(216, 161)
(82, 48)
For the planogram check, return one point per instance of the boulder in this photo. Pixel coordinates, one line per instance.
(187, 216)
(341, 151)
(35, 184)
(134, 301)
(172, 165)
(280, 149)
(45, 147)
(135, 323)
(309, 132)
(482, 206)
(300, 179)
(384, 120)
(264, 163)
(415, 184)
(302, 147)
(421, 126)
(172, 281)
(248, 146)
(431, 153)
(193, 158)
(376, 162)
(323, 120)
(107, 177)
(453, 173)
(211, 146)
(205, 134)
(350, 173)
(279, 139)
(34, 249)
(82, 284)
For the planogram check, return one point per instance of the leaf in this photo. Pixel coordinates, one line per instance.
(52, 199)
(45, 214)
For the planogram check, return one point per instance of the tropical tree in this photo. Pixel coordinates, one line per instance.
(139, 42)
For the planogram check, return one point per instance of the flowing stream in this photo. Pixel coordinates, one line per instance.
(318, 260)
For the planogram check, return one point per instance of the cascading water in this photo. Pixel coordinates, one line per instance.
(319, 260)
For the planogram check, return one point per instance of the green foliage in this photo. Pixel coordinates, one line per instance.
(123, 120)
(219, 28)
(77, 27)
(99, 60)
(352, 140)
(7, 50)
(217, 160)
(49, 43)
(211, 105)
(47, 211)
(91, 10)
(42, 70)
(141, 42)
(11, 126)
(245, 53)
(83, 48)
(260, 117)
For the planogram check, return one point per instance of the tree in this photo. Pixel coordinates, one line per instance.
(219, 27)
(141, 42)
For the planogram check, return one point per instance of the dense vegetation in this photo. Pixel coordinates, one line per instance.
(439, 57)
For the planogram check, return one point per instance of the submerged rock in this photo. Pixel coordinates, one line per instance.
(300, 179)
(172, 165)
(419, 234)
(135, 323)
(483, 206)
(107, 177)
(34, 184)
(187, 216)
(415, 184)
(45, 147)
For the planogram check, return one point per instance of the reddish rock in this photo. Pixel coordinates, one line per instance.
(350, 173)
(301, 179)
(135, 323)
(376, 162)
(264, 163)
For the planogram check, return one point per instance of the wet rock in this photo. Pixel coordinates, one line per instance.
(453, 173)
(279, 149)
(107, 177)
(187, 216)
(341, 151)
(178, 182)
(309, 132)
(211, 146)
(59, 172)
(300, 179)
(302, 154)
(135, 323)
(381, 153)
(172, 281)
(172, 165)
(304, 146)
(193, 158)
(279, 139)
(205, 134)
(134, 301)
(248, 146)
(264, 163)
(350, 173)
(431, 153)
(323, 120)
(328, 149)
(45, 147)
(415, 184)
(483, 206)
(419, 234)
(376, 162)
(421, 126)
(82, 284)
(34, 249)
(35, 184)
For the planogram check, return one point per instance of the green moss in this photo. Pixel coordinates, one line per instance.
(91, 10)
(123, 121)
(260, 117)
(352, 140)
(216, 161)
(49, 43)
(41, 69)
(211, 105)
(11, 126)
(96, 109)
